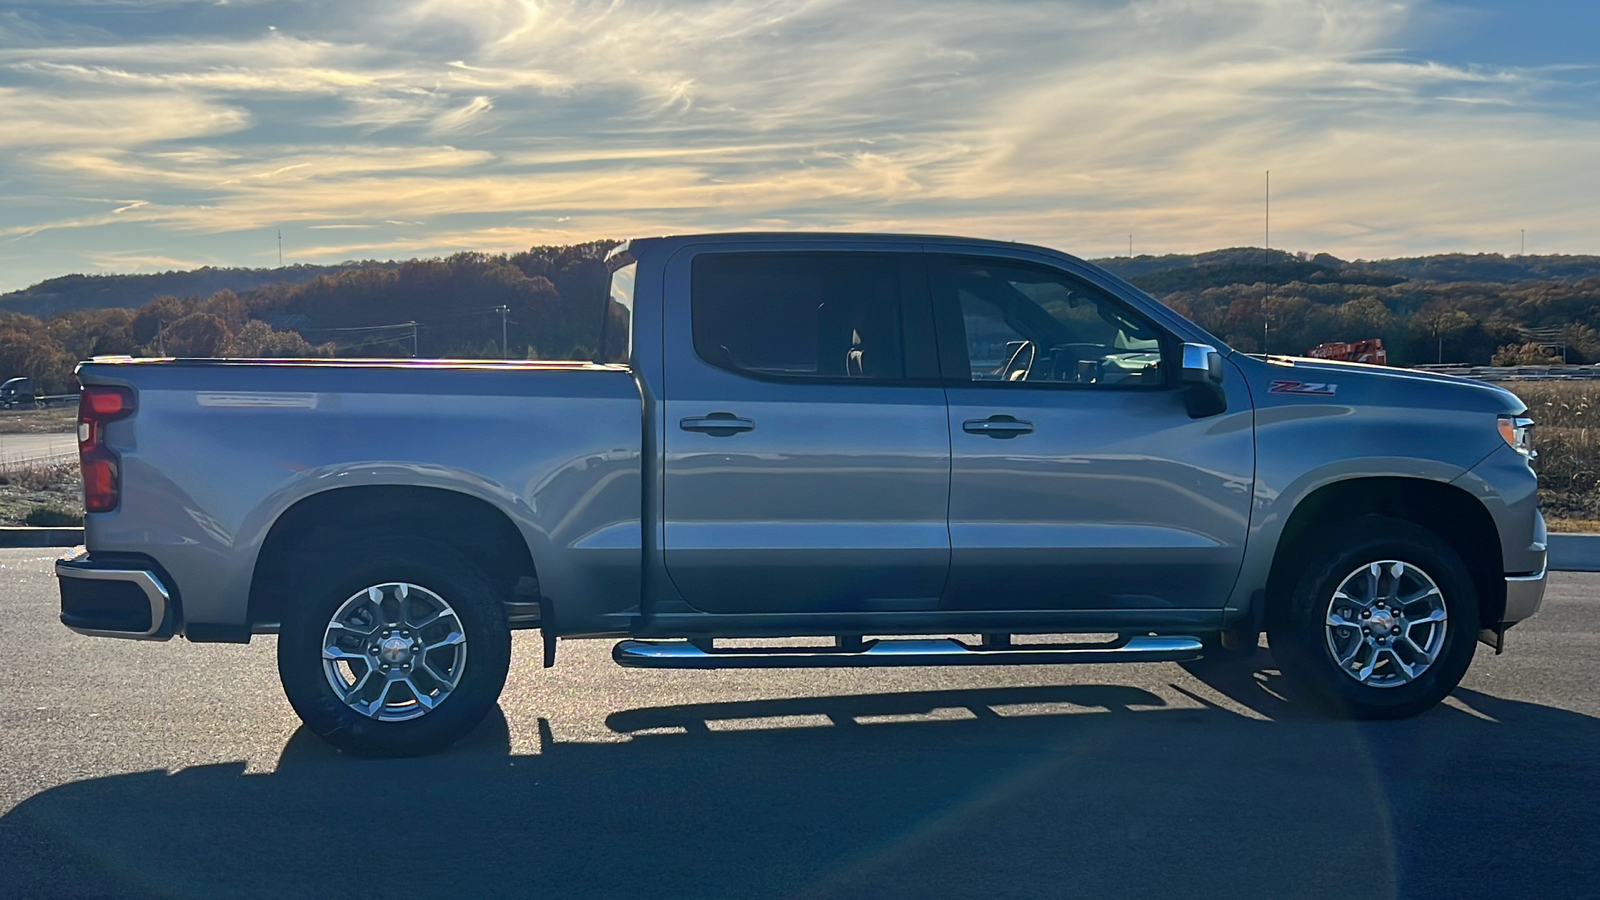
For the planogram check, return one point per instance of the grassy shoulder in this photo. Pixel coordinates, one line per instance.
(55, 420)
(1566, 417)
(43, 494)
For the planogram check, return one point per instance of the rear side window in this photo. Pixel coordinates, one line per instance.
(799, 315)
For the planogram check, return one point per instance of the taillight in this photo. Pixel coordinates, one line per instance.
(102, 475)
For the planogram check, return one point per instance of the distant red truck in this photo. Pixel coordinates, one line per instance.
(1369, 351)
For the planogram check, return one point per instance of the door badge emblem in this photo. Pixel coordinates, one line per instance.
(1304, 387)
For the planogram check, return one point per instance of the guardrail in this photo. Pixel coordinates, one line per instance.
(1516, 373)
(42, 401)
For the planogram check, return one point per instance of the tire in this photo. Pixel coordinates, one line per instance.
(1399, 559)
(438, 695)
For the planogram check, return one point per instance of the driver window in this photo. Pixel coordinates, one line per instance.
(1033, 325)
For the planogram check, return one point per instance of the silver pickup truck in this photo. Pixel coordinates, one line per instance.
(910, 450)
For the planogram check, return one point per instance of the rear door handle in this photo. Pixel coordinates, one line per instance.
(997, 426)
(717, 424)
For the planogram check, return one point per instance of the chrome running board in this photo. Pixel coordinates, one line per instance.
(900, 652)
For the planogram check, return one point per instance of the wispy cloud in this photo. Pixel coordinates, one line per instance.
(461, 118)
(510, 123)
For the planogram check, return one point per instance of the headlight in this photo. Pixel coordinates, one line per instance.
(1518, 432)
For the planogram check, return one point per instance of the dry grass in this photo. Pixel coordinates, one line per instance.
(41, 493)
(1560, 404)
(1574, 526)
(55, 420)
(1567, 436)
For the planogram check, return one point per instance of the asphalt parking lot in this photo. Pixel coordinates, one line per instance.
(175, 770)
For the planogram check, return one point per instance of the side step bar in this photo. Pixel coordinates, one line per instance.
(917, 652)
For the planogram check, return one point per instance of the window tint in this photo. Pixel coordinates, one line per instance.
(1033, 325)
(802, 315)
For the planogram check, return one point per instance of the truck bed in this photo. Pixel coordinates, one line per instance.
(218, 450)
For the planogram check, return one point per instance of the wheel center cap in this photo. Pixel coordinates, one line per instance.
(395, 651)
(1382, 622)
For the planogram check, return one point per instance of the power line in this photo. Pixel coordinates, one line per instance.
(361, 327)
(502, 310)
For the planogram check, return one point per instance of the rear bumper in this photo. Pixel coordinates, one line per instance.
(1524, 594)
(115, 599)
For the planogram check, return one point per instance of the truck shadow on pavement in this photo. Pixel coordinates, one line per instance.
(1082, 790)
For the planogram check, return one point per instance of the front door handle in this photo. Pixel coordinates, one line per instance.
(997, 426)
(717, 424)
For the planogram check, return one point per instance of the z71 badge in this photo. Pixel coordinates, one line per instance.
(1304, 387)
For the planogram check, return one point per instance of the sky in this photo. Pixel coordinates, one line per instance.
(146, 135)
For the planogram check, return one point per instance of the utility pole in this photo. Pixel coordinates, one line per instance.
(280, 248)
(1266, 272)
(505, 353)
(413, 339)
(1269, 217)
(161, 337)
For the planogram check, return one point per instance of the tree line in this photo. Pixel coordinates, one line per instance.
(546, 302)
(451, 307)
(1477, 323)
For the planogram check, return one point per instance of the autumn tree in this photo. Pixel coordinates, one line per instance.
(258, 340)
(1529, 354)
(197, 335)
(1439, 320)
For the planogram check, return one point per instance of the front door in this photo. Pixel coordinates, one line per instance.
(1078, 479)
(807, 447)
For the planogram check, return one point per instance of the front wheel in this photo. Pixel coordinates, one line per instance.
(1382, 623)
(398, 647)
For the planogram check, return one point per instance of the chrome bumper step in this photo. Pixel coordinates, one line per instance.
(682, 654)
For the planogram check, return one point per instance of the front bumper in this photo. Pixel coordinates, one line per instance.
(1524, 594)
(114, 599)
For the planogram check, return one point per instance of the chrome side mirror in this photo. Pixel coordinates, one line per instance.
(1201, 375)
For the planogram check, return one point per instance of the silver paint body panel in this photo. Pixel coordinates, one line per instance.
(835, 501)
(555, 448)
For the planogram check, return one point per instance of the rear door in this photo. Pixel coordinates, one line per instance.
(1078, 479)
(807, 446)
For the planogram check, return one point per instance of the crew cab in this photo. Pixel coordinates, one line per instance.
(913, 450)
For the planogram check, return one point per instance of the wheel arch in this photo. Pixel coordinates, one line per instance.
(1452, 513)
(317, 523)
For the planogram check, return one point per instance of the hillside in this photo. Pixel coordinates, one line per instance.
(1444, 267)
(70, 292)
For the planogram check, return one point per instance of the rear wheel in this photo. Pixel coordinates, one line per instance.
(397, 647)
(1382, 622)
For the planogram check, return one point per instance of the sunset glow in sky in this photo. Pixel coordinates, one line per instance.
(145, 135)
